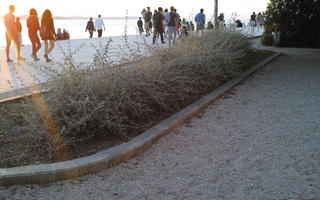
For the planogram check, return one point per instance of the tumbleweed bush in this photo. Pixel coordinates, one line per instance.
(106, 97)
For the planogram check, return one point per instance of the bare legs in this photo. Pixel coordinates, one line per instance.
(9, 41)
(36, 45)
(47, 50)
(8, 50)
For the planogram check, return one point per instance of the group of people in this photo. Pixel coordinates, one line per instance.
(97, 26)
(168, 23)
(256, 20)
(46, 30)
(62, 35)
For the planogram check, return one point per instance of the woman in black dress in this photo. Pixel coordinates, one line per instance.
(47, 33)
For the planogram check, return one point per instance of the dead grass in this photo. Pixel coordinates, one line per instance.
(108, 100)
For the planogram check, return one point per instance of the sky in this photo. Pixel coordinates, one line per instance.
(117, 8)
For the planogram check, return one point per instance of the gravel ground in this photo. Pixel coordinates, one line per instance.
(261, 141)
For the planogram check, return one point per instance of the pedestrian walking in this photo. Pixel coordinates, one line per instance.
(165, 24)
(143, 13)
(90, 27)
(200, 20)
(171, 20)
(158, 25)
(178, 21)
(259, 20)
(33, 28)
(140, 26)
(253, 22)
(147, 21)
(47, 33)
(100, 25)
(12, 33)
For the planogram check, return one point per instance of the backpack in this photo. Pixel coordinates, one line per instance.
(157, 19)
(148, 16)
(171, 22)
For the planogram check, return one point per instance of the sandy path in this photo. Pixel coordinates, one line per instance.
(261, 141)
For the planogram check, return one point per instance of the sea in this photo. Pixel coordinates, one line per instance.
(76, 28)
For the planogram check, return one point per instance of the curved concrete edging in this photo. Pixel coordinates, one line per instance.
(45, 173)
(23, 92)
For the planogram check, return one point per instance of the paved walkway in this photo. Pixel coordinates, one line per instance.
(261, 141)
(18, 74)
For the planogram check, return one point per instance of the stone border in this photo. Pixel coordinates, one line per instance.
(23, 92)
(45, 173)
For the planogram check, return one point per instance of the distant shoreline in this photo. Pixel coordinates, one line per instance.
(24, 17)
(77, 18)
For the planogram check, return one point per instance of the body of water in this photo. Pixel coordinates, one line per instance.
(76, 29)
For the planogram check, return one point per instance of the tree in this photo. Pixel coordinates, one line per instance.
(299, 22)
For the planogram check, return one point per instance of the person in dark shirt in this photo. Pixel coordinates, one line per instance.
(209, 26)
(239, 23)
(90, 27)
(158, 25)
(33, 28)
(147, 21)
(171, 20)
(47, 33)
(253, 19)
(140, 26)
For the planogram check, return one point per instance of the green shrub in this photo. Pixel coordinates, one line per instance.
(267, 39)
(298, 21)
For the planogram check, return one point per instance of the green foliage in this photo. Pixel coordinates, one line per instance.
(298, 21)
(267, 39)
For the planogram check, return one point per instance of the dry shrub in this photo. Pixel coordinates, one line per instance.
(104, 98)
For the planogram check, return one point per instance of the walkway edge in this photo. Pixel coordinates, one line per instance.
(45, 173)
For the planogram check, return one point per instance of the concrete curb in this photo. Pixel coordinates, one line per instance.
(23, 92)
(44, 173)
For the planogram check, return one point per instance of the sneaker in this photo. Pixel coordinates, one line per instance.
(9, 60)
(21, 58)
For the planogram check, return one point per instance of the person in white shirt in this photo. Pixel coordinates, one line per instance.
(99, 25)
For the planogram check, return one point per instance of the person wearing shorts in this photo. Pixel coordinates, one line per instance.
(12, 33)
(147, 21)
(200, 20)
